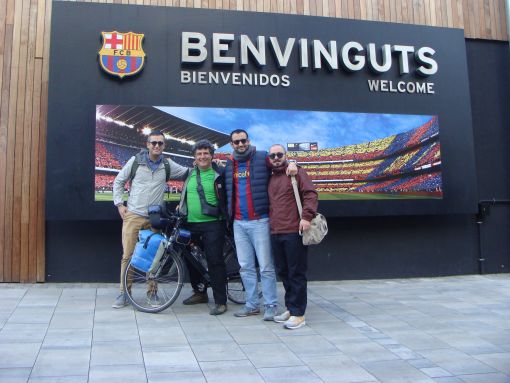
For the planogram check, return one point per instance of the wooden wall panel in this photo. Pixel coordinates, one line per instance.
(24, 69)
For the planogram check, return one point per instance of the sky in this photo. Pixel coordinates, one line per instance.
(269, 126)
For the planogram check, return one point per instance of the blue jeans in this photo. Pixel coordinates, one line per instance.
(253, 239)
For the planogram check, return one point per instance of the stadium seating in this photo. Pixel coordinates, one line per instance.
(408, 162)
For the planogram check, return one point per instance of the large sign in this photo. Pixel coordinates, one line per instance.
(387, 105)
(351, 57)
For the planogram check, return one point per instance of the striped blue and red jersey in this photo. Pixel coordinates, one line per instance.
(243, 202)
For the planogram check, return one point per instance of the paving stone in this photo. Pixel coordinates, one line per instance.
(117, 374)
(416, 339)
(294, 374)
(159, 320)
(175, 377)
(218, 351)
(308, 345)
(402, 352)
(485, 378)
(40, 315)
(230, 372)
(62, 362)
(157, 336)
(421, 363)
(338, 369)
(68, 338)
(16, 355)
(59, 379)
(395, 371)
(116, 353)
(170, 359)
(206, 333)
(270, 355)
(336, 330)
(73, 320)
(247, 334)
(435, 372)
(110, 332)
(111, 315)
(448, 379)
(456, 362)
(366, 351)
(23, 332)
(500, 361)
(14, 375)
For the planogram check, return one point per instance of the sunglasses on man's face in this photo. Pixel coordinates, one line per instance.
(157, 143)
(274, 155)
(241, 141)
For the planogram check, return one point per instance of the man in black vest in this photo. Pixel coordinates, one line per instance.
(203, 203)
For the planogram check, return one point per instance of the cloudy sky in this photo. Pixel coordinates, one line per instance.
(328, 129)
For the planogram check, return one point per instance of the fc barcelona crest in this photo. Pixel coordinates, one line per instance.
(122, 53)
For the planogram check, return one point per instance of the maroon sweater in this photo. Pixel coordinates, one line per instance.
(283, 211)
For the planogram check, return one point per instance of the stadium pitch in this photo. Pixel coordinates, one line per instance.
(365, 196)
(108, 196)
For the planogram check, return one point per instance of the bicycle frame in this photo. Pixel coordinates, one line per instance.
(156, 290)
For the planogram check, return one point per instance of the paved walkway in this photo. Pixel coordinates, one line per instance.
(454, 329)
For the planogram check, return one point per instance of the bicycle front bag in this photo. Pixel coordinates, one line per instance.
(149, 246)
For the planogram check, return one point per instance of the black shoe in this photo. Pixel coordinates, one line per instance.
(196, 298)
(218, 309)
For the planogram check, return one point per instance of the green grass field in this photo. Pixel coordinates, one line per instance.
(369, 196)
(108, 196)
(322, 196)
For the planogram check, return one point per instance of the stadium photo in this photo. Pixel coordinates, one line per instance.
(121, 131)
(347, 155)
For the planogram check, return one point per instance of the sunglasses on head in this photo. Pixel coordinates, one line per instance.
(274, 155)
(241, 141)
(157, 143)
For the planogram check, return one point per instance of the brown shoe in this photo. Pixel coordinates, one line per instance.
(196, 298)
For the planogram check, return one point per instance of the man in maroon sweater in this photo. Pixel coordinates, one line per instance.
(290, 255)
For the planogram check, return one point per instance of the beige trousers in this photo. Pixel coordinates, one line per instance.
(131, 225)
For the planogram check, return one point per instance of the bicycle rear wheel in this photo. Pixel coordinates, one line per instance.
(154, 292)
(235, 288)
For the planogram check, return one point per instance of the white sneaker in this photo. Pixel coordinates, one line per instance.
(294, 323)
(283, 317)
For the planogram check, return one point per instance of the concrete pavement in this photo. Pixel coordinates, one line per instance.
(453, 329)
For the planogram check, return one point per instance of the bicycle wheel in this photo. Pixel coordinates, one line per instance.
(154, 292)
(235, 288)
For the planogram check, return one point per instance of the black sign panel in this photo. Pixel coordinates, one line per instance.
(255, 61)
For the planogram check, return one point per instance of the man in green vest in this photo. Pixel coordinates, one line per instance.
(203, 202)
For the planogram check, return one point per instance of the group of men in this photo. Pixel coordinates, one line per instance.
(254, 194)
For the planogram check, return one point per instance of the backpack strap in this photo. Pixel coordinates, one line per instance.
(134, 167)
(167, 168)
(136, 164)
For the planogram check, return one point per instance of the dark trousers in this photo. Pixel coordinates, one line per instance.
(213, 239)
(291, 261)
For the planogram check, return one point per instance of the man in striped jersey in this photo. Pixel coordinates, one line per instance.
(247, 175)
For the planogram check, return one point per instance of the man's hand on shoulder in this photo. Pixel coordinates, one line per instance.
(292, 169)
(122, 210)
(218, 162)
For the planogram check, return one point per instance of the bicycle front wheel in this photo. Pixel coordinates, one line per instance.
(156, 291)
